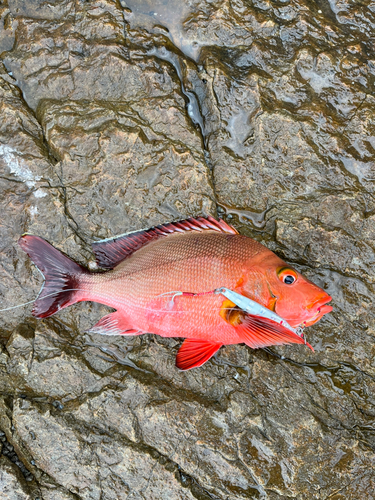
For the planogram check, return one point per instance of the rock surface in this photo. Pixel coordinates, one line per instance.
(11, 482)
(121, 115)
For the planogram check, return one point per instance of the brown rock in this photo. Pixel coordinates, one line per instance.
(119, 116)
(12, 484)
(89, 466)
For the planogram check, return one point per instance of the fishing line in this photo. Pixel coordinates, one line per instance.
(170, 293)
(15, 307)
(191, 294)
(171, 302)
(164, 311)
(48, 295)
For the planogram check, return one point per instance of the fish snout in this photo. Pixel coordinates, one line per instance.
(319, 308)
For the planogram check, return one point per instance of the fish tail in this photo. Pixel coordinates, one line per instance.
(62, 276)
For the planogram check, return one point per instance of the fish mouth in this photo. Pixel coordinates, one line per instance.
(321, 309)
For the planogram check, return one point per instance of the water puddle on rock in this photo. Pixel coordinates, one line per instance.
(244, 216)
(170, 14)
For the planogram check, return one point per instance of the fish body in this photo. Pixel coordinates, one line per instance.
(163, 281)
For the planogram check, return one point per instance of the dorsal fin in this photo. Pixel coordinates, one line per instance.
(110, 252)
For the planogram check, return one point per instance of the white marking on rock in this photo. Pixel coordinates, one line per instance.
(33, 211)
(286, 472)
(263, 450)
(39, 193)
(17, 166)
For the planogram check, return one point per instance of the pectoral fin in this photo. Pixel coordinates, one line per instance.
(257, 331)
(194, 353)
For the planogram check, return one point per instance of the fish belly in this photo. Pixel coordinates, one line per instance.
(189, 317)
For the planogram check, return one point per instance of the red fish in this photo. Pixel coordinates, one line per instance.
(162, 281)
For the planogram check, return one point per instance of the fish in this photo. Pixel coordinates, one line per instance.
(166, 280)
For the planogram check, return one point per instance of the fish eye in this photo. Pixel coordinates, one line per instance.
(289, 279)
(287, 275)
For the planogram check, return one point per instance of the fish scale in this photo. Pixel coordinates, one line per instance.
(187, 262)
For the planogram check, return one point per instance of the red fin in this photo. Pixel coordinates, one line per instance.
(109, 253)
(257, 331)
(61, 275)
(194, 353)
(114, 324)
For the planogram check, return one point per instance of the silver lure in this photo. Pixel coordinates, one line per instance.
(252, 307)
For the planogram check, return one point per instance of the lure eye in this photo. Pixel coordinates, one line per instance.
(287, 275)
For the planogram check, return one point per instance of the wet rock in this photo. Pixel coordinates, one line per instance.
(39, 365)
(29, 202)
(118, 116)
(110, 147)
(56, 494)
(124, 160)
(296, 130)
(237, 447)
(106, 467)
(12, 484)
(203, 435)
(8, 27)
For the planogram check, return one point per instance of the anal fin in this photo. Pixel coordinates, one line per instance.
(257, 331)
(114, 324)
(194, 353)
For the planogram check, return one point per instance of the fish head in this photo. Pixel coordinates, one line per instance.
(292, 296)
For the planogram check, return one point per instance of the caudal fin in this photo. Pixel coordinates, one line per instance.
(61, 276)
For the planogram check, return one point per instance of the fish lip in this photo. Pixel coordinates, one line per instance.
(323, 301)
(319, 303)
(321, 310)
(325, 309)
(321, 306)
